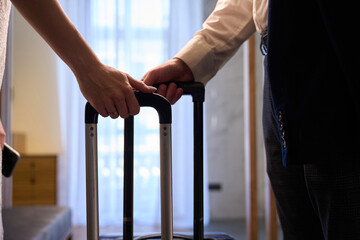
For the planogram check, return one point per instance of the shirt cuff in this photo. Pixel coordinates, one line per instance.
(198, 55)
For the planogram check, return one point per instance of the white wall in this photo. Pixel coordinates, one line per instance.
(225, 136)
(35, 105)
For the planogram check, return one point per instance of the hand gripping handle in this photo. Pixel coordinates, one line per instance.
(156, 101)
(195, 89)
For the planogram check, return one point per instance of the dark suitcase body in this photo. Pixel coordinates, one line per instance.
(163, 107)
(176, 236)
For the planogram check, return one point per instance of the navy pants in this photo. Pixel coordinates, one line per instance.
(314, 201)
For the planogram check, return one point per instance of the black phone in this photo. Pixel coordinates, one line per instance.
(10, 158)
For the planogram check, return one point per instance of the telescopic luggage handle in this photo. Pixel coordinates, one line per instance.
(197, 91)
(163, 108)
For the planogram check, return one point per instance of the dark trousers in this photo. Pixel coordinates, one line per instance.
(314, 201)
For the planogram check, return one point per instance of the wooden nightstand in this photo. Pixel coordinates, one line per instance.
(34, 181)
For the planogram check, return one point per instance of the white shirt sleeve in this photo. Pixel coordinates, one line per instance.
(229, 25)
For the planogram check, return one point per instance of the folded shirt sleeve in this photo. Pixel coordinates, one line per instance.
(229, 25)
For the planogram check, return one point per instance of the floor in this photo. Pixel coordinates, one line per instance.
(235, 228)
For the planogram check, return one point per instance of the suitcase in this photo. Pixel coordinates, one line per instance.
(163, 108)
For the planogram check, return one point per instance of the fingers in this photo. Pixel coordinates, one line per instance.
(123, 106)
(113, 113)
(110, 91)
(140, 85)
(132, 104)
(171, 92)
(116, 104)
(162, 90)
(115, 97)
(168, 71)
(172, 70)
(126, 104)
(178, 93)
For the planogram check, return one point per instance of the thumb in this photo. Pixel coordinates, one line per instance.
(151, 78)
(141, 86)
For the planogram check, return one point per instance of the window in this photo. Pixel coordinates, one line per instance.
(127, 35)
(130, 37)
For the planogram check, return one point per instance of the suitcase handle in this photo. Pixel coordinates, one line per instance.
(163, 107)
(153, 100)
(195, 89)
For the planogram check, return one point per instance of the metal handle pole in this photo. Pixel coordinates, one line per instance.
(166, 182)
(92, 209)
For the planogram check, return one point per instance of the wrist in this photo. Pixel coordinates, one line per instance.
(85, 65)
(188, 75)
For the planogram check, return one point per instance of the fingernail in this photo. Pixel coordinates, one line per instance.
(153, 88)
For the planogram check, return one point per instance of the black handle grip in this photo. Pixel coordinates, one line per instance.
(156, 101)
(195, 89)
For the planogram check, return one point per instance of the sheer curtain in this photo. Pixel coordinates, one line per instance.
(133, 36)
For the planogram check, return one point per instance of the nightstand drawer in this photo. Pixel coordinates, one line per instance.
(34, 181)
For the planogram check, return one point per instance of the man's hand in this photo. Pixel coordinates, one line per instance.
(110, 91)
(172, 70)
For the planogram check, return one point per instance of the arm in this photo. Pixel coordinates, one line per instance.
(108, 90)
(229, 25)
(224, 31)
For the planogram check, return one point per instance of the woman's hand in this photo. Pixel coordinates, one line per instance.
(110, 91)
